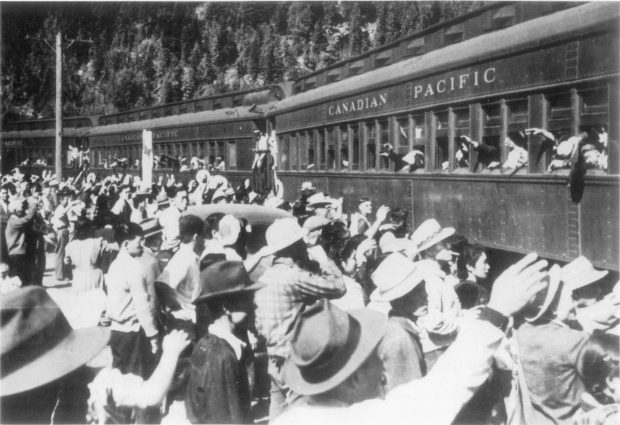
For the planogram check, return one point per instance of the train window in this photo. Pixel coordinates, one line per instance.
(517, 113)
(331, 148)
(371, 140)
(284, 148)
(560, 109)
(401, 138)
(441, 140)
(355, 146)
(594, 106)
(384, 140)
(491, 115)
(311, 147)
(293, 151)
(321, 149)
(344, 146)
(462, 128)
(231, 155)
(220, 150)
(302, 149)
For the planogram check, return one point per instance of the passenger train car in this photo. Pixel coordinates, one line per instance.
(488, 75)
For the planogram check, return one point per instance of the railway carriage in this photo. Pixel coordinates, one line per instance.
(557, 72)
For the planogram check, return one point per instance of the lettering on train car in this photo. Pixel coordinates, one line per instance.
(358, 104)
(455, 82)
(12, 143)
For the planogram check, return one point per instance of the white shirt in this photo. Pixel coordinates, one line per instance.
(169, 221)
(182, 273)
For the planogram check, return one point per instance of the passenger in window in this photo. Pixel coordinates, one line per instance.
(517, 158)
(462, 152)
(406, 163)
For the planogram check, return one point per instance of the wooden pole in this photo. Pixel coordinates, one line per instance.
(58, 153)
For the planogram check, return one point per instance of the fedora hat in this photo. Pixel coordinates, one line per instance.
(430, 233)
(282, 233)
(396, 276)
(150, 227)
(328, 345)
(318, 200)
(553, 287)
(305, 186)
(225, 278)
(38, 345)
(580, 272)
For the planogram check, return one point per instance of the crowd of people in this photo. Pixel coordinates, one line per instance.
(159, 315)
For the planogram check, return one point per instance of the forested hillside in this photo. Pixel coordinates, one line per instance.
(144, 54)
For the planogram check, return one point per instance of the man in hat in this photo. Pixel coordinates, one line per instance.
(218, 389)
(122, 208)
(344, 386)
(444, 308)
(291, 284)
(131, 306)
(548, 350)
(18, 230)
(138, 211)
(400, 350)
(300, 206)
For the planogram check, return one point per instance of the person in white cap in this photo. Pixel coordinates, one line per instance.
(291, 284)
(444, 308)
(401, 285)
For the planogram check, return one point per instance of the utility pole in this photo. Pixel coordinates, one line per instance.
(58, 132)
(58, 146)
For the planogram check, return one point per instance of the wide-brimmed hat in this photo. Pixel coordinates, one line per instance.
(229, 229)
(396, 276)
(306, 186)
(430, 233)
(282, 233)
(580, 272)
(319, 200)
(328, 345)
(390, 243)
(38, 345)
(553, 287)
(150, 227)
(225, 278)
(315, 222)
(162, 199)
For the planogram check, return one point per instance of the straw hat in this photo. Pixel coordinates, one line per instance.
(396, 276)
(282, 233)
(580, 272)
(390, 243)
(430, 233)
(150, 227)
(306, 186)
(553, 288)
(319, 200)
(38, 345)
(328, 345)
(225, 278)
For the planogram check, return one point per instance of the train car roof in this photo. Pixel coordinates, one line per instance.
(194, 118)
(571, 22)
(35, 134)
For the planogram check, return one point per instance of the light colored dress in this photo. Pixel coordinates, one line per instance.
(84, 256)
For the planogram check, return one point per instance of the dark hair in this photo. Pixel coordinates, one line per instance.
(351, 246)
(189, 225)
(472, 253)
(83, 229)
(333, 238)
(398, 217)
(126, 232)
(364, 199)
(212, 222)
(597, 361)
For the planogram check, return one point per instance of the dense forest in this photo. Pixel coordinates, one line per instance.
(141, 54)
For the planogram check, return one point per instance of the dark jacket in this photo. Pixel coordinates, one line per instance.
(218, 389)
(19, 233)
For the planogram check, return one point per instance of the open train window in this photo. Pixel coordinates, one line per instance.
(594, 106)
(331, 148)
(384, 139)
(461, 149)
(231, 157)
(560, 109)
(293, 151)
(311, 147)
(321, 149)
(441, 140)
(355, 146)
(401, 138)
(284, 152)
(344, 146)
(371, 144)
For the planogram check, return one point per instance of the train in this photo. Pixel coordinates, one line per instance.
(485, 76)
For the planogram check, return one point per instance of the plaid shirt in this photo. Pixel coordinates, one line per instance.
(287, 291)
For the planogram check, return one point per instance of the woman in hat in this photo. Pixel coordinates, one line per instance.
(218, 389)
(84, 253)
